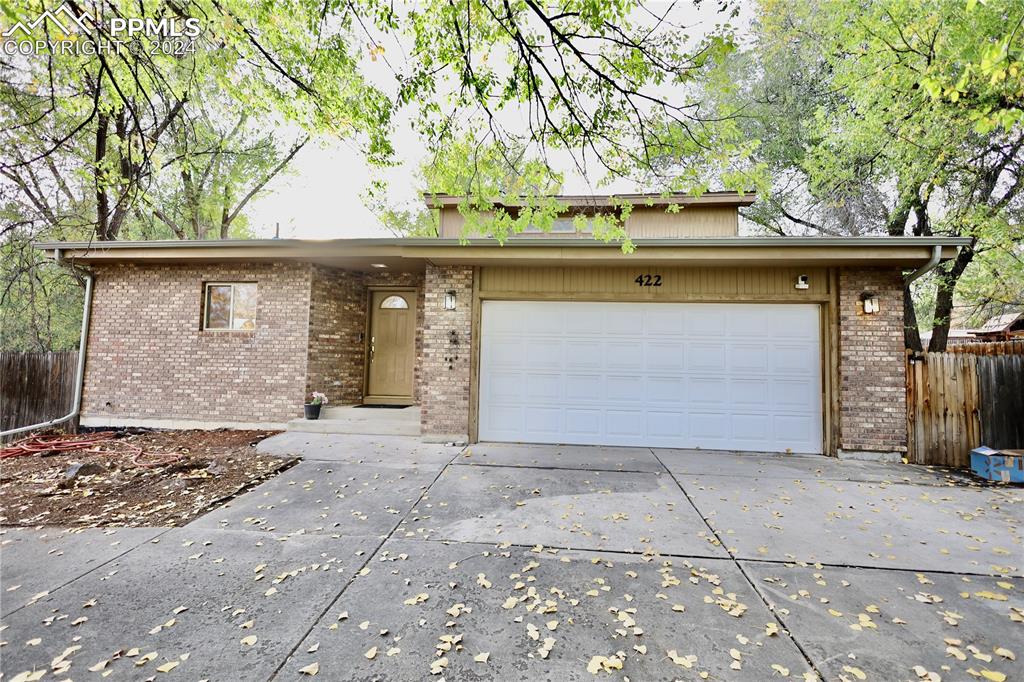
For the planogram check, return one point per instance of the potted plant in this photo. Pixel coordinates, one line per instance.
(317, 400)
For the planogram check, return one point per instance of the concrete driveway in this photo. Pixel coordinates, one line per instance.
(382, 558)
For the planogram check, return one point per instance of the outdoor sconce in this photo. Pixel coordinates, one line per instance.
(869, 303)
(449, 300)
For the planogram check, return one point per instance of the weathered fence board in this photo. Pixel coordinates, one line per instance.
(1002, 414)
(35, 387)
(957, 401)
(993, 348)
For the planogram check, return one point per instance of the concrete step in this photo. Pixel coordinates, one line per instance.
(362, 420)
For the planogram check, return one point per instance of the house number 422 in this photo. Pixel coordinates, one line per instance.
(648, 280)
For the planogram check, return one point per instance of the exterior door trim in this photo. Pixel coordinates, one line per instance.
(368, 398)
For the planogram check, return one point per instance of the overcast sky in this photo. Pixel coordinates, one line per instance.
(320, 197)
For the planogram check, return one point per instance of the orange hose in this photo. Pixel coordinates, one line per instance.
(34, 445)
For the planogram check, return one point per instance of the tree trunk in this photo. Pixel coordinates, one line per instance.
(945, 288)
(225, 216)
(192, 203)
(911, 334)
(102, 199)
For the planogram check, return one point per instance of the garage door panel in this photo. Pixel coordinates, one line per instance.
(751, 429)
(625, 423)
(663, 356)
(751, 392)
(580, 387)
(748, 358)
(714, 376)
(584, 423)
(622, 389)
(753, 322)
(584, 321)
(708, 390)
(706, 321)
(791, 322)
(662, 425)
(793, 359)
(665, 391)
(506, 388)
(585, 354)
(705, 357)
(796, 432)
(544, 321)
(544, 420)
(544, 387)
(670, 321)
(505, 418)
(543, 353)
(621, 323)
(504, 353)
(714, 425)
(621, 356)
(795, 394)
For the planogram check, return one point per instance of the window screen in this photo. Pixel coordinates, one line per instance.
(230, 306)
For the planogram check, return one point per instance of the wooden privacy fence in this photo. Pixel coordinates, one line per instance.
(995, 348)
(959, 400)
(35, 387)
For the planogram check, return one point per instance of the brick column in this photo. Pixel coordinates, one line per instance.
(444, 393)
(872, 366)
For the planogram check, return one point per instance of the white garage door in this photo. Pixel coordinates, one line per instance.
(685, 375)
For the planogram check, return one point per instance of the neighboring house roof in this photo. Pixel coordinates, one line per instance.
(609, 200)
(413, 253)
(1000, 323)
(953, 334)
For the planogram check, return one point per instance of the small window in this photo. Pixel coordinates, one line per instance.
(396, 302)
(563, 225)
(230, 306)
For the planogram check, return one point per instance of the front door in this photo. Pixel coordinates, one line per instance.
(392, 348)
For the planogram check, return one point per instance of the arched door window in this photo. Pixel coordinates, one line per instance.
(394, 302)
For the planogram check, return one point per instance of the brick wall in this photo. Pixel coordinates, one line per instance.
(444, 399)
(872, 365)
(337, 321)
(148, 357)
(337, 328)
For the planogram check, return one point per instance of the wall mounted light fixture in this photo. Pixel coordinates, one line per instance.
(869, 303)
(802, 282)
(449, 300)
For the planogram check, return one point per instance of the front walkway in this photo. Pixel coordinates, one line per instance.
(385, 558)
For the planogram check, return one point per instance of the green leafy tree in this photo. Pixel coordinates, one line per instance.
(93, 140)
(892, 117)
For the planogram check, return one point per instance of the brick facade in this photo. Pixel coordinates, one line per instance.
(872, 363)
(445, 362)
(337, 329)
(149, 359)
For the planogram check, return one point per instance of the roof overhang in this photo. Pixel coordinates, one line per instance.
(411, 254)
(612, 200)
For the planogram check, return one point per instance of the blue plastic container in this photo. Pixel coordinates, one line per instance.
(997, 465)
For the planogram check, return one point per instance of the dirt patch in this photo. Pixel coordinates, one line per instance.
(156, 478)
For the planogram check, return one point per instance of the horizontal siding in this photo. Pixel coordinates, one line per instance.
(692, 221)
(677, 283)
(643, 223)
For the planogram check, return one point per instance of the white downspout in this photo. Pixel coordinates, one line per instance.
(83, 341)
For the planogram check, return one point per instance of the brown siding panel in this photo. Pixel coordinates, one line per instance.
(689, 283)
